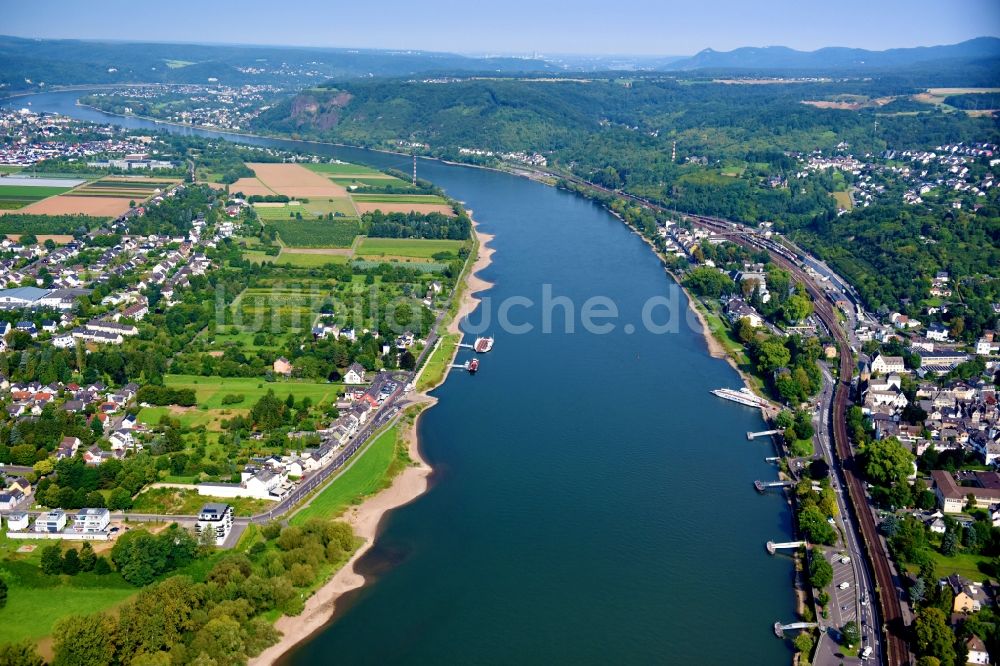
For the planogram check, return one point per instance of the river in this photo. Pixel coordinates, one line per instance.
(592, 502)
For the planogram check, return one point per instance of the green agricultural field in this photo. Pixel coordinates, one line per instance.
(417, 248)
(29, 192)
(210, 390)
(340, 169)
(299, 260)
(366, 476)
(13, 197)
(339, 206)
(400, 198)
(320, 233)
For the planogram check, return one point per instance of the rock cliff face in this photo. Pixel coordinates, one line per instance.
(318, 110)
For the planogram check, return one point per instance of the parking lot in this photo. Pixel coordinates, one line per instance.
(843, 602)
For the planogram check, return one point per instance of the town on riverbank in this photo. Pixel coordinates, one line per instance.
(221, 355)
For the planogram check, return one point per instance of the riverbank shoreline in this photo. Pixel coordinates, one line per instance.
(714, 346)
(368, 518)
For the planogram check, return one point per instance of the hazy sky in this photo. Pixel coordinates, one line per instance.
(664, 27)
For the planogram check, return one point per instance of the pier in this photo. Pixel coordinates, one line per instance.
(762, 486)
(780, 629)
(773, 459)
(773, 547)
(762, 433)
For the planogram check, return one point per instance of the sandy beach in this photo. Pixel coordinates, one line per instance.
(367, 516)
(473, 283)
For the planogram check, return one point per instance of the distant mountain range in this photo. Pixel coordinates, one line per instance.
(27, 63)
(33, 64)
(835, 57)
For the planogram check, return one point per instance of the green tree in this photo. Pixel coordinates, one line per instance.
(22, 653)
(269, 412)
(820, 571)
(851, 633)
(804, 643)
(84, 640)
(87, 557)
(119, 499)
(3, 593)
(887, 462)
(797, 308)
(709, 282)
(52, 562)
(71, 562)
(934, 636)
(813, 524)
(772, 354)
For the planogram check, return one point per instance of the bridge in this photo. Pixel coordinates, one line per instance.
(761, 486)
(780, 629)
(762, 433)
(772, 547)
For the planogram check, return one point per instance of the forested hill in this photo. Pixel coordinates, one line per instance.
(627, 122)
(25, 64)
(832, 58)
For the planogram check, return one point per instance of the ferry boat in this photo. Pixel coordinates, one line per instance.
(744, 396)
(473, 366)
(483, 345)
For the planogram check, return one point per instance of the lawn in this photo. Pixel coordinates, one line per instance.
(964, 564)
(32, 612)
(417, 248)
(36, 600)
(325, 233)
(436, 366)
(366, 476)
(340, 169)
(210, 390)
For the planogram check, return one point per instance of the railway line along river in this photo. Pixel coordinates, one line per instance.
(592, 502)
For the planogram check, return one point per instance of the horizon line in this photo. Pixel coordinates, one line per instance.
(534, 54)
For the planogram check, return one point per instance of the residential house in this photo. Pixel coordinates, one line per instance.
(17, 521)
(10, 499)
(217, 519)
(886, 364)
(51, 521)
(91, 521)
(976, 651)
(355, 374)
(282, 367)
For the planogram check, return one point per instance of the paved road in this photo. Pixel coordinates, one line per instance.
(862, 587)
